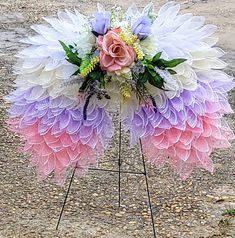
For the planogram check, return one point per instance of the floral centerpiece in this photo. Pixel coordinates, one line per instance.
(161, 69)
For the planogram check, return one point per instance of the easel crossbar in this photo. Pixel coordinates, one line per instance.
(119, 171)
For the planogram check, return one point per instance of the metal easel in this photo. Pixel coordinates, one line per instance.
(119, 172)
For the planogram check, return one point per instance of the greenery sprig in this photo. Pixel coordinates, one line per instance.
(88, 66)
(71, 53)
(166, 64)
(94, 78)
(150, 75)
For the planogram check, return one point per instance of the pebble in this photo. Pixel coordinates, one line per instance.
(132, 222)
(178, 209)
(118, 214)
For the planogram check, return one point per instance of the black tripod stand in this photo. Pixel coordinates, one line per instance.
(119, 172)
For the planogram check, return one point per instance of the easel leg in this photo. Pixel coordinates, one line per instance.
(65, 198)
(119, 183)
(119, 164)
(148, 192)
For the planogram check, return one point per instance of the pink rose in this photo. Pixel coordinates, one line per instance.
(115, 54)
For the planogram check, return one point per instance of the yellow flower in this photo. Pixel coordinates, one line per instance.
(131, 39)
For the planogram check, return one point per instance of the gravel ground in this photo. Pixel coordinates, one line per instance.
(190, 209)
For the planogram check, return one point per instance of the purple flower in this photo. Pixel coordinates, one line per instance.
(101, 23)
(142, 27)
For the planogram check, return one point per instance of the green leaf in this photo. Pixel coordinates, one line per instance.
(171, 71)
(172, 63)
(156, 81)
(65, 47)
(156, 57)
(152, 77)
(143, 78)
(72, 57)
(102, 83)
(162, 63)
(152, 73)
(96, 75)
(149, 66)
(71, 47)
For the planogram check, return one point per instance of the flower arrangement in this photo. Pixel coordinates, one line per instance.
(117, 54)
(162, 68)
